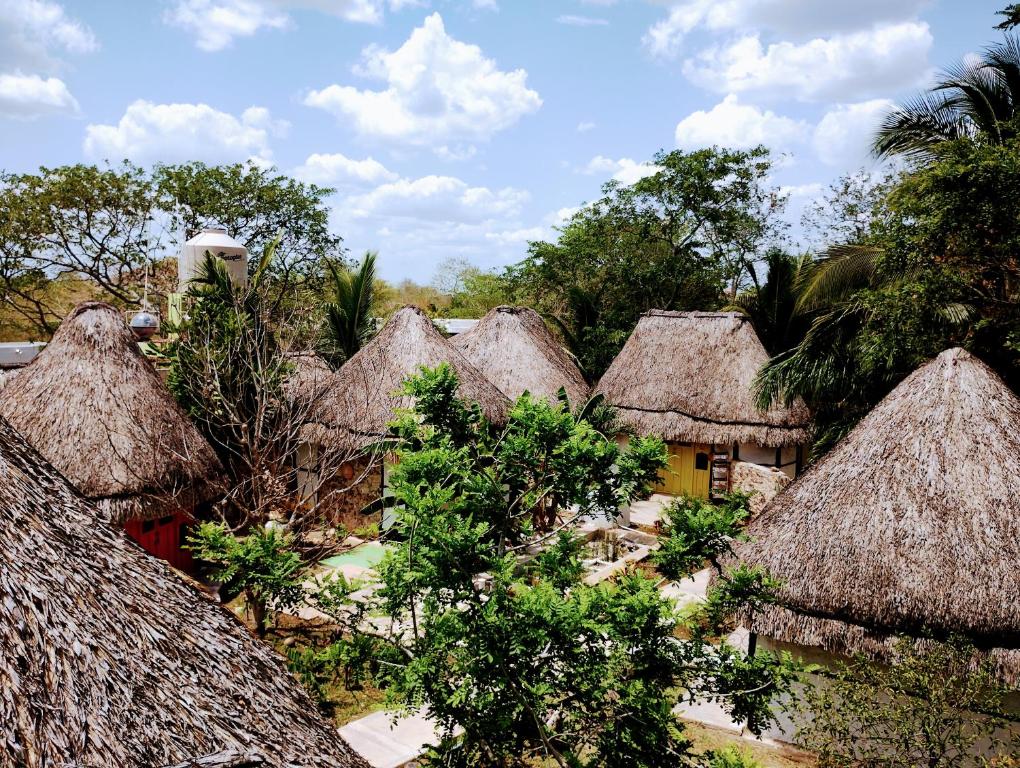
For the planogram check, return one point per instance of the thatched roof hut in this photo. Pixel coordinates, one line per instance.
(107, 658)
(515, 350)
(687, 377)
(363, 397)
(96, 409)
(911, 523)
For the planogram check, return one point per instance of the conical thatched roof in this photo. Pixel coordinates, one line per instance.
(911, 522)
(687, 377)
(515, 350)
(107, 658)
(362, 398)
(97, 410)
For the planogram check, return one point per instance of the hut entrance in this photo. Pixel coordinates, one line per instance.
(164, 537)
(689, 470)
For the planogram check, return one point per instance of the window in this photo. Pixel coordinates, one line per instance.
(701, 461)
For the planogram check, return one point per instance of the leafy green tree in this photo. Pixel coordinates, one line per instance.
(260, 565)
(350, 320)
(937, 271)
(232, 370)
(970, 101)
(772, 303)
(472, 291)
(919, 710)
(501, 639)
(74, 223)
(255, 204)
(678, 239)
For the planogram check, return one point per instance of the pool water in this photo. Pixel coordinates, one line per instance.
(365, 555)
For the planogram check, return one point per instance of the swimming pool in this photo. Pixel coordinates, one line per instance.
(366, 555)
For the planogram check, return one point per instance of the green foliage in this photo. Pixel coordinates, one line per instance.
(95, 228)
(697, 530)
(969, 102)
(731, 757)
(677, 239)
(936, 271)
(919, 710)
(501, 636)
(349, 313)
(772, 304)
(261, 565)
(256, 205)
(472, 291)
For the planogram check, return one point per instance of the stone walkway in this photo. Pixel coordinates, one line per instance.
(388, 744)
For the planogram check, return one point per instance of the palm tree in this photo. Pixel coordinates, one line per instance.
(1011, 13)
(349, 322)
(772, 305)
(970, 101)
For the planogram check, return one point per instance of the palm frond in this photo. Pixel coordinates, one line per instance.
(841, 270)
(919, 126)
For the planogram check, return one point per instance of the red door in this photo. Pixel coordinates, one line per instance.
(164, 537)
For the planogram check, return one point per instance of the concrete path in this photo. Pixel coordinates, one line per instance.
(388, 744)
(647, 512)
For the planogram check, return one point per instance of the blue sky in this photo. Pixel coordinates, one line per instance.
(464, 128)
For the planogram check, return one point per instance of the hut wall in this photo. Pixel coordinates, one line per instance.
(763, 483)
(165, 538)
(356, 484)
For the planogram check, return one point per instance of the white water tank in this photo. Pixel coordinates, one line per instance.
(216, 241)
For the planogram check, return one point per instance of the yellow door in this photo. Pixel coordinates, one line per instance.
(688, 472)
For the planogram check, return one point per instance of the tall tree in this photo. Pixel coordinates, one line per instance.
(679, 238)
(255, 204)
(77, 224)
(350, 320)
(233, 369)
(516, 658)
(772, 300)
(970, 101)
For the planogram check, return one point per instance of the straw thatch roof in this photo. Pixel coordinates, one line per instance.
(687, 377)
(363, 396)
(911, 523)
(515, 350)
(96, 409)
(107, 658)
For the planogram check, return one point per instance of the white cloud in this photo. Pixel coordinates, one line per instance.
(740, 126)
(339, 170)
(792, 18)
(215, 23)
(843, 136)
(437, 89)
(843, 66)
(585, 126)
(28, 96)
(33, 36)
(573, 20)
(436, 199)
(30, 30)
(488, 5)
(150, 132)
(625, 170)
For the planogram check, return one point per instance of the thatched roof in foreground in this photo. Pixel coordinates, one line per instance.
(911, 522)
(107, 658)
(96, 409)
(515, 350)
(363, 396)
(687, 377)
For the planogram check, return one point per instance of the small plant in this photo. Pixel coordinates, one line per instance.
(731, 757)
(261, 565)
(697, 530)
